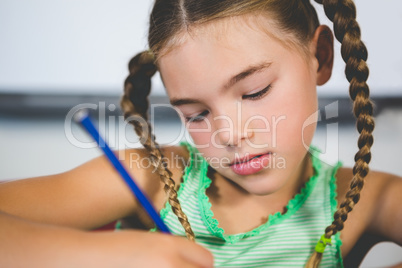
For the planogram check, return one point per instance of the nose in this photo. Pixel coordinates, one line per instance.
(229, 128)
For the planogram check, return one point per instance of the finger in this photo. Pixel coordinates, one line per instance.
(196, 254)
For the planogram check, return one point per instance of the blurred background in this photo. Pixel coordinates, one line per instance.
(57, 56)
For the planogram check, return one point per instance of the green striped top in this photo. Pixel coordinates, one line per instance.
(285, 240)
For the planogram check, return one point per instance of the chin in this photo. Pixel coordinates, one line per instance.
(263, 192)
(261, 188)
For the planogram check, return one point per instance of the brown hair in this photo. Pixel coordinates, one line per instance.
(170, 18)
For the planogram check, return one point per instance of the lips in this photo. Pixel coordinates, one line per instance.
(251, 164)
(245, 159)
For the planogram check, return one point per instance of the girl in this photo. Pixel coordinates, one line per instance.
(243, 76)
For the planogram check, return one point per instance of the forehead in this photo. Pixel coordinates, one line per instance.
(224, 28)
(206, 55)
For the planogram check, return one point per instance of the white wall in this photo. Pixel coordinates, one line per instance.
(69, 46)
(73, 46)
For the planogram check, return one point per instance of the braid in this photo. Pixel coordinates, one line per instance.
(354, 53)
(135, 105)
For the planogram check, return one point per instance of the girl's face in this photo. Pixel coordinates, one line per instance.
(245, 94)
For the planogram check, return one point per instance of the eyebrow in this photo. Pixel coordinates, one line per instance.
(232, 81)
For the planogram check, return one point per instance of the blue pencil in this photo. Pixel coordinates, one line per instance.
(83, 118)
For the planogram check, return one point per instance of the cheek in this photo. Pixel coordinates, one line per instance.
(296, 116)
(200, 133)
(200, 138)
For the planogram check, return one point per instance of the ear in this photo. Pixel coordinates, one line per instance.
(322, 46)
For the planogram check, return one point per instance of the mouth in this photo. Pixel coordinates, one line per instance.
(251, 164)
(246, 159)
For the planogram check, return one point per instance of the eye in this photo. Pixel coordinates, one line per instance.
(197, 118)
(257, 95)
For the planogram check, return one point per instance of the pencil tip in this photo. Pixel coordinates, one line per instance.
(80, 115)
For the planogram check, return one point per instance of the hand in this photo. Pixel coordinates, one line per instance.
(144, 249)
(28, 244)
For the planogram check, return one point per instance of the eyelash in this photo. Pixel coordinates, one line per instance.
(197, 118)
(256, 96)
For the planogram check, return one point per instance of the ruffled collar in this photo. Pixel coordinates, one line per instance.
(292, 206)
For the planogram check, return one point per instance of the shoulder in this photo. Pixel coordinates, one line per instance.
(379, 210)
(139, 163)
(140, 160)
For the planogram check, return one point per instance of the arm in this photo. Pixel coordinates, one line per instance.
(375, 218)
(28, 244)
(387, 217)
(85, 198)
(379, 211)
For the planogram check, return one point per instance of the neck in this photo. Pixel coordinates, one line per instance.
(227, 193)
(232, 204)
